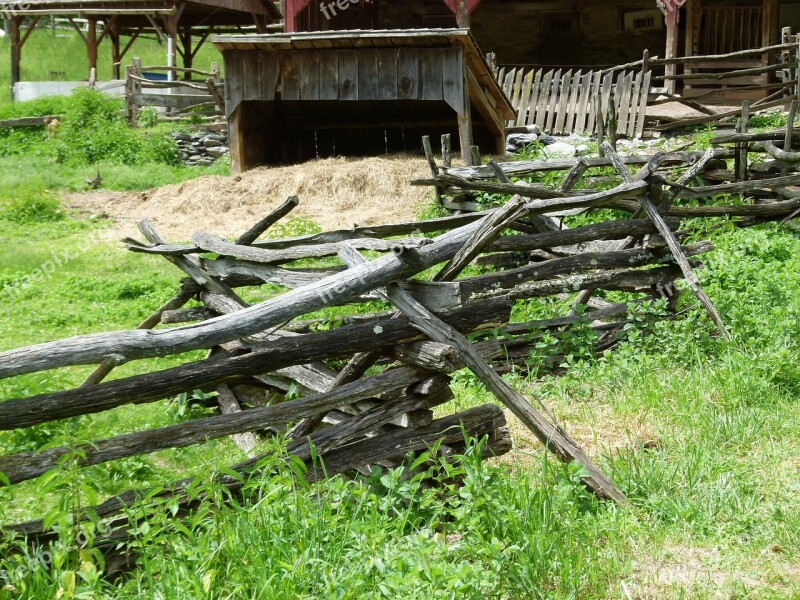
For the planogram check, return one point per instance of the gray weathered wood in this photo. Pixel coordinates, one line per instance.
(257, 230)
(25, 466)
(552, 436)
(268, 356)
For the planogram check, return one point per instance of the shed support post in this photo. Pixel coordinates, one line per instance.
(171, 27)
(91, 44)
(672, 48)
(17, 42)
(462, 14)
(116, 58)
(235, 141)
(171, 47)
(465, 119)
(16, 51)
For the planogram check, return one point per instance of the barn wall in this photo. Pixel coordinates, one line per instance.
(565, 33)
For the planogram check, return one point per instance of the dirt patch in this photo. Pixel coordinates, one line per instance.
(335, 193)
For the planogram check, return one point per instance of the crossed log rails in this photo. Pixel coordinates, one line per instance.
(344, 286)
(404, 259)
(266, 344)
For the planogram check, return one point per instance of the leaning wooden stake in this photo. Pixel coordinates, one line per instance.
(741, 148)
(553, 437)
(683, 263)
(787, 139)
(257, 230)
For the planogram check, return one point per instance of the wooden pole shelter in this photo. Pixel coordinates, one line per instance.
(115, 21)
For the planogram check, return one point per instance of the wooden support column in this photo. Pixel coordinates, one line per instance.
(771, 23)
(116, 57)
(16, 51)
(235, 141)
(671, 20)
(462, 14)
(186, 51)
(18, 40)
(171, 31)
(465, 118)
(91, 43)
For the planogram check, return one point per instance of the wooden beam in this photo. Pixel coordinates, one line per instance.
(28, 32)
(127, 47)
(78, 30)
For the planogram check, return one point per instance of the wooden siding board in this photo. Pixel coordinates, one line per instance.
(251, 76)
(348, 75)
(453, 78)
(233, 81)
(329, 75)
(368, 74)
(431, 75)
(309, 88)
(387, 73)
(408, 75)
(290, 80)
(270, 71)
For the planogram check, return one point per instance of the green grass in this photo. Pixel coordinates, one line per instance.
(39, 58)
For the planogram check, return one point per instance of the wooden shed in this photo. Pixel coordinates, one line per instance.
(291, 97)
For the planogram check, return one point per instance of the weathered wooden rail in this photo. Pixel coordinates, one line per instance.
(180, 97)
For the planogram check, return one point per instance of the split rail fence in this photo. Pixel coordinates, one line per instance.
(368, 387)
(179, 98)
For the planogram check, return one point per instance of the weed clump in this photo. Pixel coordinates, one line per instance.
(30, 204)
(93, 130)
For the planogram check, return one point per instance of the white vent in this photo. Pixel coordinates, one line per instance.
(644, 20)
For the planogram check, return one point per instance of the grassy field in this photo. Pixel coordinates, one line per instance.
(39, 61)
(702, 435)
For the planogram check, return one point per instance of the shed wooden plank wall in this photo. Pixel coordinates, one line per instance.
(431, 74)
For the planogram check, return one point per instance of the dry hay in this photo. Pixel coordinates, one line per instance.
(335, 193)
